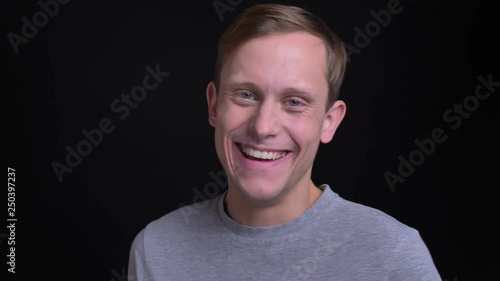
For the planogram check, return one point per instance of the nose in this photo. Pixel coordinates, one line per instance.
(265, 122)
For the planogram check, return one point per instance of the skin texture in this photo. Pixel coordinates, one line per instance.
(272, 97)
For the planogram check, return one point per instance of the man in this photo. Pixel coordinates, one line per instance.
(274, 99)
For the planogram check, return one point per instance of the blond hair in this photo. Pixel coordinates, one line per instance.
(267, 19)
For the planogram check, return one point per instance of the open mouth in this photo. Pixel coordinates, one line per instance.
(260, 155)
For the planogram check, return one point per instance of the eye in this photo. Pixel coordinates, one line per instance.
(246, 95)
(293, 103)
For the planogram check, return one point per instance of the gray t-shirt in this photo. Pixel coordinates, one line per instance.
(335, 239)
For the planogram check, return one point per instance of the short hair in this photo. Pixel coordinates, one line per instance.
(268, 19)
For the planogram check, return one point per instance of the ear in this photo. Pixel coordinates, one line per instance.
(332, 120)
(212, 103)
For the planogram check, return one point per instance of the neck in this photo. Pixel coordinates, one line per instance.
(282, 210)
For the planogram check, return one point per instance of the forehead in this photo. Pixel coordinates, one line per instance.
(295, 59)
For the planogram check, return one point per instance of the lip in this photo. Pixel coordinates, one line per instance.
(257, 164)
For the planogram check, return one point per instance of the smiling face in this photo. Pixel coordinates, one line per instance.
(269, 114)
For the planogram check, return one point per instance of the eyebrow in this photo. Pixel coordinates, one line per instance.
(289, 90)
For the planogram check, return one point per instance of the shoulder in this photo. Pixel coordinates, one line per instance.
(367, 219)
(173, 235)
(180, 223)
(372, 232)
(369, 234)
(365, 227)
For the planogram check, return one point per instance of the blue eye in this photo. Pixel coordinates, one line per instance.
(246, 95)
(293, 103)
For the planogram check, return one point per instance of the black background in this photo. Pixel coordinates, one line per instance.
(397, 88)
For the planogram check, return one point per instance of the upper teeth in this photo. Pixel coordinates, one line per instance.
(263, 154)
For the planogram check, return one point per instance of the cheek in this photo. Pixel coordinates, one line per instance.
(231, 118)
(307, 130)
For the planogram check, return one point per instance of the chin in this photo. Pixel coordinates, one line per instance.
(260, 190)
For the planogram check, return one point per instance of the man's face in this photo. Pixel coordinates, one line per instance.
(269, 113)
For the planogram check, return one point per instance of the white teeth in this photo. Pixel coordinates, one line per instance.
(267, 155)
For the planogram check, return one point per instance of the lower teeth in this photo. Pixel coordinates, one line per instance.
(255, 158)
(262, 159)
